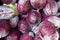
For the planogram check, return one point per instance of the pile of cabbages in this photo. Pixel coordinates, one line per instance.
(29, 19)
